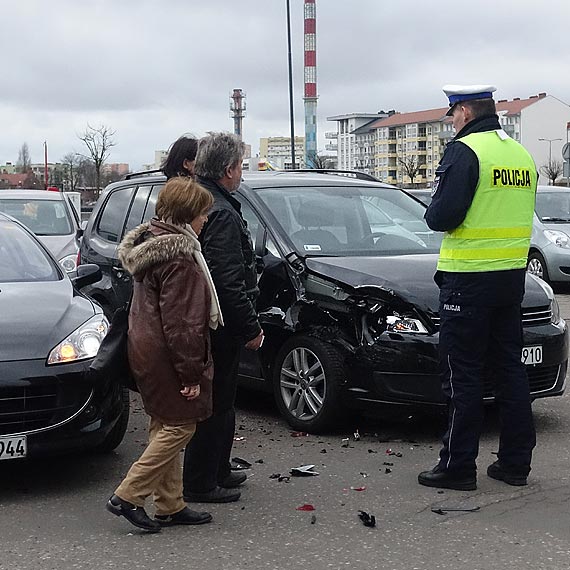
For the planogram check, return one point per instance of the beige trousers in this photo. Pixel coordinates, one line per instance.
(158, 470)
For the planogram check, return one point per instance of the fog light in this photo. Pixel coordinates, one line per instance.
(90, 413)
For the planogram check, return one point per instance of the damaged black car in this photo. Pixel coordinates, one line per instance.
(348, 302)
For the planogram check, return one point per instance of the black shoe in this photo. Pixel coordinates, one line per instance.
(442, 479)
(234, 479)
(185, 516)
(515, 477)
(216, 495)
(135, 515)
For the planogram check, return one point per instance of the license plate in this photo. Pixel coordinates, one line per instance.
(13, 447)
(532, 355)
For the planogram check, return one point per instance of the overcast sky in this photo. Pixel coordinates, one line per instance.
(155, 69)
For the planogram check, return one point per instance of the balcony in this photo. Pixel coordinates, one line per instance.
(331, 135)
(331, 146)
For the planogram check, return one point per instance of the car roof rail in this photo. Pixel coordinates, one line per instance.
(348, 173)
(131, 175)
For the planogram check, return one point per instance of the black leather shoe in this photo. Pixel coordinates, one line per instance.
(234, 479)
(515, 477)
(443, 479)
(135, 515)
(185, 516)
(216, 495)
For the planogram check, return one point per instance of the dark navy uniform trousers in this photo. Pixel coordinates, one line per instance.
(472, 339)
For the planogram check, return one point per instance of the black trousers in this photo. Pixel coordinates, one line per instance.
(207, 456)
(471, 339)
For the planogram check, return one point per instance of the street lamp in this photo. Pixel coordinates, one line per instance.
(549, 141)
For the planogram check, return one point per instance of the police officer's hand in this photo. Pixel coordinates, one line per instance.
(255, 343)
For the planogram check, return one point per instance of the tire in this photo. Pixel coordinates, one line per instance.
(310, 404)
(117, 434)
(537, 266)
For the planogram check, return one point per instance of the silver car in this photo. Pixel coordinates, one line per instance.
(51, 216)
(549, 255)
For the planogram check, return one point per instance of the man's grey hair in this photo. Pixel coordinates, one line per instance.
(216, 153)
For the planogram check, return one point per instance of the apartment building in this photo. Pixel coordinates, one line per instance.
(407, 147)
(354, 140)
(277, 150)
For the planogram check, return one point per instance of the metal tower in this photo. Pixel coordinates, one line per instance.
(237, 110)
(310, 97)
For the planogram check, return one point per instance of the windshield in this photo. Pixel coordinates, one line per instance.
(553, 206)
(21, 258)
(345, 220)
(43, 217)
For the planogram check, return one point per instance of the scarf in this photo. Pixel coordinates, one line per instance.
(216, 318)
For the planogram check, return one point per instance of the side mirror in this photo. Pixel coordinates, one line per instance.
(85, 275)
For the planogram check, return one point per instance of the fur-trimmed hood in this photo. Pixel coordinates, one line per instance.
(139, 252)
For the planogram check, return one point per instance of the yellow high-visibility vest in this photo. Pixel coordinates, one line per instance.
(495, 234)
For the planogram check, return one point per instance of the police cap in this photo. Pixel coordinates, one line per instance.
(458, 93)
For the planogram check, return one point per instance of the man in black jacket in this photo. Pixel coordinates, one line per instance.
(228, 250)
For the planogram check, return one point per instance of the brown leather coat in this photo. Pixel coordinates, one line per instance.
(169, 335)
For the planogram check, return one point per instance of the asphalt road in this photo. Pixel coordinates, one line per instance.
(52, 513)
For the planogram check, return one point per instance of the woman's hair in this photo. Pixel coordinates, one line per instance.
(183, 149)
(216, 153)
(181, 200)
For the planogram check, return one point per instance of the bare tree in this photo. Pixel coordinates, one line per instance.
(552, 170)
(319, 161)
(71, 162)
(99, 141)
(411, 166)
(24, 163)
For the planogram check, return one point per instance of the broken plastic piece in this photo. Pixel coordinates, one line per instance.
(358, 488)
(388, 463)
(313, 519)
(299, 434)
(303, 471)
(372, 451)
(356, 436)
(239, 438)
(284, 478)
(305, 507)
(345, 442)
(367, 520)
(275, 475)
(237, 463)
(444, 510)
(388, 470)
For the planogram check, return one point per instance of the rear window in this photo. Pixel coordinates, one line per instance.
(22, 258)
(43, 217)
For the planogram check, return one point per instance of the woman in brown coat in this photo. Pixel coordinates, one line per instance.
(173, 307)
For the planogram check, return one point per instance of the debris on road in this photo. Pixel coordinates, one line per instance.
(445, 510)
(356, 436)
(305, 507)
(237, 463)
(367, 520)
(303, 471)
(345, 442)
(299, 434)
(313, 519)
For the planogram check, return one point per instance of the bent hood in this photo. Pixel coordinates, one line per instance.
(410, 277)
(38, 316)
(60, 246)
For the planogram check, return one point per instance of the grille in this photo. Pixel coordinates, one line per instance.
(531, 317)
(540, 378)
(38, 406)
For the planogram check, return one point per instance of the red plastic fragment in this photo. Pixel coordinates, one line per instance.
(305, 507)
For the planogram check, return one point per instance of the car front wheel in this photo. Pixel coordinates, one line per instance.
(537, 265)
(307, 384)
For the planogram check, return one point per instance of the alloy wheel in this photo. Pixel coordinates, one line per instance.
(535, 267)
(303, 383)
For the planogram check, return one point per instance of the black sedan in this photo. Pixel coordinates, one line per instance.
(49, 403)
(349, 305)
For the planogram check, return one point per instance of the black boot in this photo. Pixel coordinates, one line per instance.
(135, 515)
(233, 479)
(510, 475)
(442, 479)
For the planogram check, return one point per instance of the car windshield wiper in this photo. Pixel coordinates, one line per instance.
(554, 219)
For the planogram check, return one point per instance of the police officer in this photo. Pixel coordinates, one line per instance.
(484, 193)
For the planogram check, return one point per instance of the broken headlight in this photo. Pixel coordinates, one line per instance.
(404, 324)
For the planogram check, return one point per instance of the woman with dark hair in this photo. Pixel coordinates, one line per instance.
(181, 157)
